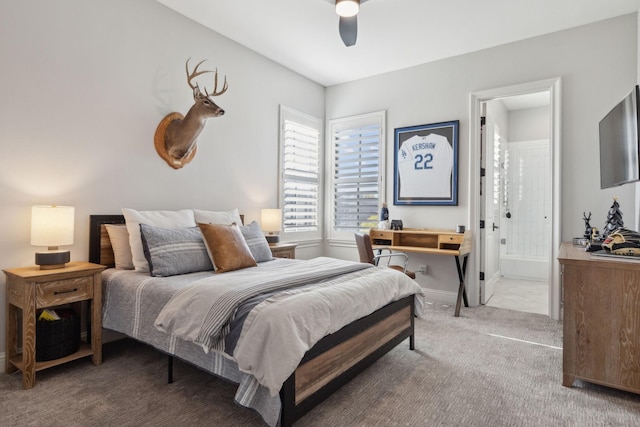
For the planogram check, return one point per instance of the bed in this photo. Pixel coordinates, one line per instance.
(324, 367)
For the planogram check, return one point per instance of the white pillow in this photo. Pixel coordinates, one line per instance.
(164, 219)
(218, 217)
(119, 237)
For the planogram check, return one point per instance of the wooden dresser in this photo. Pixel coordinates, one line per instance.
(601, 321)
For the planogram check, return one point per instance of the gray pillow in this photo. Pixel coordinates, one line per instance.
(174, 251)
(257, 242)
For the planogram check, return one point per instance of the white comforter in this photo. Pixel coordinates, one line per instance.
(279, 331)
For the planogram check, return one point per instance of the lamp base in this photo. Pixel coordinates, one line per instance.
(273, 239)
(52, 259)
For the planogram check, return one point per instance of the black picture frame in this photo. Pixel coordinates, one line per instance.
(426, 164)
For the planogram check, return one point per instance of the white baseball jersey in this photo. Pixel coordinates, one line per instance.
(424, 167)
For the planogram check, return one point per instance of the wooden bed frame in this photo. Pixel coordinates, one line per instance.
(332, 362)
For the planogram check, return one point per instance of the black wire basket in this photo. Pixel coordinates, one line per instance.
(58, 338)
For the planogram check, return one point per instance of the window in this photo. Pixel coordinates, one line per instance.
(300, 172)
(357, 188)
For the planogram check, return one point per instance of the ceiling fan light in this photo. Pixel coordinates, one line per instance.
(347, 8)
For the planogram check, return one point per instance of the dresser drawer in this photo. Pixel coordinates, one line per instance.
(64, 291)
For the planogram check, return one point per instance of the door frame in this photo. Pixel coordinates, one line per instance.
(552, 85)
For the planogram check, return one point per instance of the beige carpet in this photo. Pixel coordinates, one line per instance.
(489, 367)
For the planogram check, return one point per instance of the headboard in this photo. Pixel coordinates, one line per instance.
(100, 251)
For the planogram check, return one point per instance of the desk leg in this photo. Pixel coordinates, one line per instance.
(462, 291)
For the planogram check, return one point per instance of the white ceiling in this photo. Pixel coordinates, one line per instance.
(392, 34)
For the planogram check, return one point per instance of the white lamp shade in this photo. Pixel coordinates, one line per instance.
(271, 220)
(347, 8)
(52, 225)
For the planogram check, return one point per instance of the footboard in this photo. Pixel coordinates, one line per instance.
(339, 357)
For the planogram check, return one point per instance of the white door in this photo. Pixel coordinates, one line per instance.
(491, 196)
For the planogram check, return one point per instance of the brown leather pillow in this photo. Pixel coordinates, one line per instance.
(227, 247)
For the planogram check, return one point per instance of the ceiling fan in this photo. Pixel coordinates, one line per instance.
(348, 25)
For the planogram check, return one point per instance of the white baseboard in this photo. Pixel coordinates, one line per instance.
(438, 296)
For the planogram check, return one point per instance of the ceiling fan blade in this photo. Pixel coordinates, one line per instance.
(348, 28)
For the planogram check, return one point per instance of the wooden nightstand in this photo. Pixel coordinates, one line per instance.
(30, 289)
(283, 250)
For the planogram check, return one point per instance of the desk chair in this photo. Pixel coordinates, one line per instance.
(365, 250)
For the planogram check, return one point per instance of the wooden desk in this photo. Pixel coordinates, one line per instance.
(429, 241)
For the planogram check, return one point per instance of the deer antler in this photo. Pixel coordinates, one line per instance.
(225, 86)
(196, 73)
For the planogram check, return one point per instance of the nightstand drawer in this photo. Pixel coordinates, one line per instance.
(285, 253)
(64, 291)
(284, 250)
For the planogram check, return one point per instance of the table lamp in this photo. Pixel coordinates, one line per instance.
(271, 222)
(52, 226)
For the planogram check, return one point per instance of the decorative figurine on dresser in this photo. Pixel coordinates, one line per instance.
(614, 219)
(587, 226)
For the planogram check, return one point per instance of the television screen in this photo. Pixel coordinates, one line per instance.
(619, 143)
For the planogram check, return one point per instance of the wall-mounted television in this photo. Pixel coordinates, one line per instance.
(619, 145)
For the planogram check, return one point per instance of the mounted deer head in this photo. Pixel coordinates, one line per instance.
(176, 135)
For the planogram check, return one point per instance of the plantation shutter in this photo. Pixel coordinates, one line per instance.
(357, 171)
(300, 173)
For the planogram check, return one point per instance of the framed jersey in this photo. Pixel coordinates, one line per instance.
(426, 164)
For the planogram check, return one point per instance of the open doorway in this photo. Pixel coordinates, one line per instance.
(516, 202)
(517, 191)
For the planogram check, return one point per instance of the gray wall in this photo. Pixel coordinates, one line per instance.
(529, 124)
(84, 85)
(597, 64)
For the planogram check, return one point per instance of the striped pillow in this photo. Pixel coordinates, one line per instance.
(256, 241)
(174, 251)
